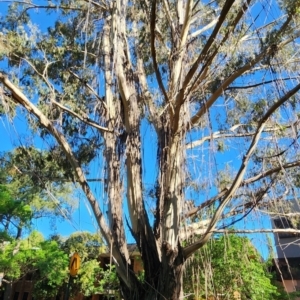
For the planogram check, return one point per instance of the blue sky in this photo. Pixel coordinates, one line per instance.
(12, 133)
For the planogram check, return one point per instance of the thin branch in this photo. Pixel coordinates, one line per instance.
(187, 22)
(32, 5)
(231, 78)
(270, 172)
(259, 84)
(169, 18)
(84, 119)
(265, 52)
(262, 230)
(228, 4)
(153, 51)
(204, 54)
(225, 134)
(201, 226)
(89, 87)
(203, 29)
(250, 180)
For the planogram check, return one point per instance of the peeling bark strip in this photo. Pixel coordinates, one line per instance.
(204, 79)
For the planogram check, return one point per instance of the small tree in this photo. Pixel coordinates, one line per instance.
(92, 278)
(14, 215)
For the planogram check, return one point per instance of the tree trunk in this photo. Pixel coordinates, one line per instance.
(166, 283)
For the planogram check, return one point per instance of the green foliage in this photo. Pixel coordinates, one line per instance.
(92, 279)
(48, 262)
(87, 245)
(32, 185)
(226, 265)
(12, 211)
(33, 255)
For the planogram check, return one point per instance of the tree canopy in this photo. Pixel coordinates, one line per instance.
(188, 109)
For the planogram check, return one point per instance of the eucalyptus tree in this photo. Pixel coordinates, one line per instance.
(215, 81)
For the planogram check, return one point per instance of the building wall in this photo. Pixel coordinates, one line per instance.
(287, 247)
(291, 286)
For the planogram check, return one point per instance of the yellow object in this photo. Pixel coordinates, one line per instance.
(74, 264)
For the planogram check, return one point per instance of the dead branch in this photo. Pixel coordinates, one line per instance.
(225, 134)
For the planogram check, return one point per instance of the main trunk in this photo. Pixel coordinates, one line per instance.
(160, 248)
(166, 282)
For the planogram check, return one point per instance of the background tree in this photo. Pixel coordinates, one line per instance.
(217, 84)
(92, 278)
(42, 260)
(32, 186)
(13, 213)
(47, 263)
(226, 265)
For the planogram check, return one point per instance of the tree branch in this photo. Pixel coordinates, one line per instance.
(226, 7)
(89, 87)
(203, 29)
(250, 180)
(239, 177)
(153, 51)
(237, 74)
(262, 230)
(258, 84)
(32, 5)
(225, 134)
(85, 119)
(204, 54)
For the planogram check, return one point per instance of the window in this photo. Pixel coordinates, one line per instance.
(16, 296)
(289, 269)
(285, 223)
(25, 296)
